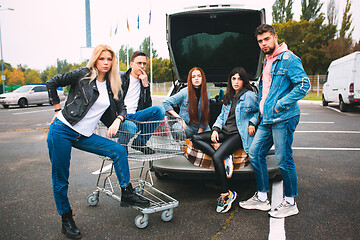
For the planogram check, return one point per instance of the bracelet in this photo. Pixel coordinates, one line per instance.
(121, 118)
(56, 110)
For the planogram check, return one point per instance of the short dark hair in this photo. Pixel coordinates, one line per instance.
(263, 28)
(136, 54)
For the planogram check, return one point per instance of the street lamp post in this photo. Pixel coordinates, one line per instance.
(2, 59)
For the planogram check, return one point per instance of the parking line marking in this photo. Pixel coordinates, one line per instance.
(316, 122)
(326, 149)
(335, 109)
(277, 225)
(46, 110)
(356, 132)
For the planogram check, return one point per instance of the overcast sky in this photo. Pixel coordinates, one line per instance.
(40, 31)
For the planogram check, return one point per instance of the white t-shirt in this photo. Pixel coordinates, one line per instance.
(132, 96)
(87, 125)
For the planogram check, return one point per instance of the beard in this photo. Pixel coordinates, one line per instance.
(270, 51)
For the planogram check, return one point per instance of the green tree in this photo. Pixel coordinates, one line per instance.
(123, 53)
(32, 76)
(162, 70)
(76, 66)
(62, 66)
(7, 66)
(306, 39)
(145, 47)
(310, 9)
(282, 12)
(345, 31)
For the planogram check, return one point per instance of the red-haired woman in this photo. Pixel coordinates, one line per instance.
(194, 104)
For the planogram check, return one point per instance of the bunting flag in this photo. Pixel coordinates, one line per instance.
(138, 22)
(116, 28)
(127, 25)
(150, 17)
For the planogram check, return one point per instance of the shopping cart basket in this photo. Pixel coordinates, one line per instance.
(166, 142)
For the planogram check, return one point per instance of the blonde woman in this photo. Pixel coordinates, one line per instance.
(95, 94)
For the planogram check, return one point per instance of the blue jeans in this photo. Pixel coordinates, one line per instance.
(281, 134)
(61, 139)
(154, 113)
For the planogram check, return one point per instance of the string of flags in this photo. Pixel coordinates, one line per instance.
(128, 25)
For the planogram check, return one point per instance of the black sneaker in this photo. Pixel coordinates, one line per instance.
(130, 198)
(141, 146)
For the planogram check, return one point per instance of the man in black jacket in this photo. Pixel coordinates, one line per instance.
(137, 98)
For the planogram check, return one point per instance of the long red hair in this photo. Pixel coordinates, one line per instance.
(193, 103)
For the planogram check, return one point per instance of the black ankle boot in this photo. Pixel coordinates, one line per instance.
(68, 226)
(130, 198)
(141, 146)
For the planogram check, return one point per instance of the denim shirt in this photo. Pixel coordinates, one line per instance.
(289, 83)
(182, 99)
(246, 111)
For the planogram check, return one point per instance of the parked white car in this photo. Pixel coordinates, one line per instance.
(28, 95)
(343, 82)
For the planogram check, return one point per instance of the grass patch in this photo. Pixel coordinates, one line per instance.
(313, 96)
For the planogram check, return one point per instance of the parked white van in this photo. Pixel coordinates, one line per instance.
(343, 82)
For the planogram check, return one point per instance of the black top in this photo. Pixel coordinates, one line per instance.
(230, 124)
(198, 93)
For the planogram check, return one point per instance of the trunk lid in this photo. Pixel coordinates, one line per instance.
(216, 38)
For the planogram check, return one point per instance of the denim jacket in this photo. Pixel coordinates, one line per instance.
(289, 83)
(246, 111)
(182, 100)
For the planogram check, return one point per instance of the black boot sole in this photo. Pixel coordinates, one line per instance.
(70, 236)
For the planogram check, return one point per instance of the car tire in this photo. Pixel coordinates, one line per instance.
(324, 102)
(161, 176)
(22, 103)
(343, 106)
(6, 106)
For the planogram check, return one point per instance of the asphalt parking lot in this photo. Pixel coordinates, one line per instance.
(326, 151)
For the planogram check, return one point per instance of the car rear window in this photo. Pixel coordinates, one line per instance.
(216, 42)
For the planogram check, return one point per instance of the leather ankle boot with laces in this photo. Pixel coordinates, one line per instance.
(130, 198)
(68, 226)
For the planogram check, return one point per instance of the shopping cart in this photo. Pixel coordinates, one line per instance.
(166, 143)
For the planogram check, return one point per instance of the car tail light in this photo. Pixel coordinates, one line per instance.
(351, 88)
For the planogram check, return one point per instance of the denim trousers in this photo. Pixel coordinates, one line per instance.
(61, 139)
(281, 135)
(128, 129)
(191, 129)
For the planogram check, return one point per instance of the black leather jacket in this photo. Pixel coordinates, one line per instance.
(82, 96)
(145, 94)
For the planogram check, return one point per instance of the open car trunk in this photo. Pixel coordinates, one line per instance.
(215, 38)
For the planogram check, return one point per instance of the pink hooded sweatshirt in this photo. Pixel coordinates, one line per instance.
(266, 76)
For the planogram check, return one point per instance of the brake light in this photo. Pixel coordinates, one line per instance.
(351, 88)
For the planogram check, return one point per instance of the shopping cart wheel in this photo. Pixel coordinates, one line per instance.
(139, 190)
(141, 221)
(167, 215)
(93, 199)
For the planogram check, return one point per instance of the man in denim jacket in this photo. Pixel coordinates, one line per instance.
(283, 83)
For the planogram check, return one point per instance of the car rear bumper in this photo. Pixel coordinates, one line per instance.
(354, 101)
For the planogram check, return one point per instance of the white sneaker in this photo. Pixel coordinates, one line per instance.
(229, 166)
(284, 209)
(255, 203)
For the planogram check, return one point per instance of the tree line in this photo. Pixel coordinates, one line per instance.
(316, 41)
